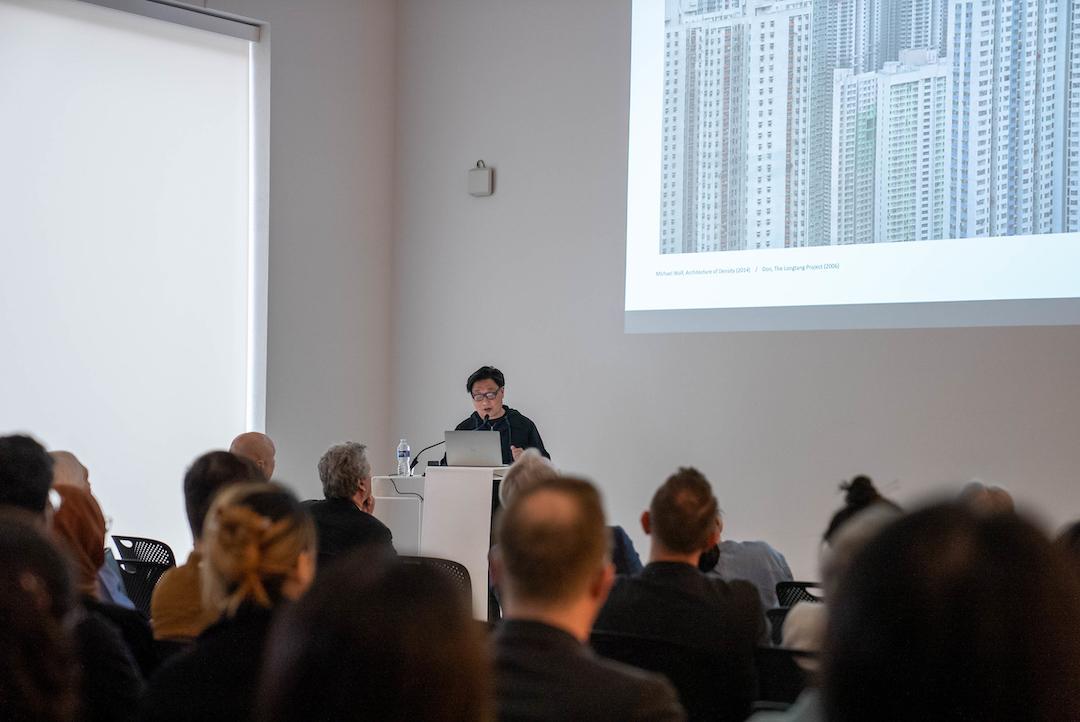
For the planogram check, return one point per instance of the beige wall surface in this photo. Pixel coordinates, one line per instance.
(331, 215)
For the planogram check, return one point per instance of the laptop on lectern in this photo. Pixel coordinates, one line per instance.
(473, 448)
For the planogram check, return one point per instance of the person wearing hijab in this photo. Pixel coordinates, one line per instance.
(79, 525)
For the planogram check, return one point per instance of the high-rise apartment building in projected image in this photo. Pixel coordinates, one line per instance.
(824, 122)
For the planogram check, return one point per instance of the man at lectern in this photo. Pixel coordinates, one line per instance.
(517, 432)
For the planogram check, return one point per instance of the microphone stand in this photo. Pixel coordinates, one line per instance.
(416, 459)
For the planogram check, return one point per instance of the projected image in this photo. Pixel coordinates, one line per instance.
(793, 123)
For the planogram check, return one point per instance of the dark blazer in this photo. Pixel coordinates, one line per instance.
(217, 678)
(342, 527)
(675, 602)
(111, 683)
(544, 673)
(133, 627)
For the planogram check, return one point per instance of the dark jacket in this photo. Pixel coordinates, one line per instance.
(216, 679)
(111, 683)
(342, 527)
(544, 673)
(623, 553)
(133, 627)
(675, 602)
(515, 429)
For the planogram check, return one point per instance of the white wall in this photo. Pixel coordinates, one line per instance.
(331, 216)
(531, 280)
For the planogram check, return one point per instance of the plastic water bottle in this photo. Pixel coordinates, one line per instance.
(404, 457)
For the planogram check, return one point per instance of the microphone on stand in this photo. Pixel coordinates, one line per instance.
(416, 459)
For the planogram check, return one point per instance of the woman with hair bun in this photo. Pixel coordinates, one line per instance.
(258, 554)
(859, 493)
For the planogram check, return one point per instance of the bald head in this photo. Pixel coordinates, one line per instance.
(258, 448)
(69, 471)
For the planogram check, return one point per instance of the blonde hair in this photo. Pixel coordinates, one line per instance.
(252, 538)
(529, 468)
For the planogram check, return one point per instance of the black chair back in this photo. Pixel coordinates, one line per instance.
(457, 571)
(708, 689)
(788, 594)
(141, 549)
(776, 617)
(780, 678)
(140, 578)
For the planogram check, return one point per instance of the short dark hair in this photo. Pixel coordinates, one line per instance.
(949, 615)
(207, 476)
(414, 654)
(549, 556)
(25, 473)
(684, 511)
(40, 679)
(485, 373)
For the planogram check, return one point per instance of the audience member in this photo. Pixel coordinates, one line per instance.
(69, 471)
(756, 562)
(1069, 543)
(177, 611)
(80, 527)
(343, 518)
(257, 448)
(983, 499)
(859, 493)
(381, 640)
(110, 680)
(26, 473)
(949, 615)
(804, 627)
(38, 667)
(552, 567)
(259, 551)
(532, 467)
(672, 600)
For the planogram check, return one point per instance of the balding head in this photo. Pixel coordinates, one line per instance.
(69, 471)
(258, 448)
(552, 541)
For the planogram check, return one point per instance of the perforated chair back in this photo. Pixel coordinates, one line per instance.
(455, 570)
(788, 594)
(140, 578)
(138, 548)
(708, 686)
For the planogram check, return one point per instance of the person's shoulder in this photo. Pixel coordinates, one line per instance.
(518, 417)
(761, 549)
(738, 592)
(468, 424)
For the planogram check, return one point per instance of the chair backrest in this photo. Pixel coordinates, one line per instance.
(776, 617)
(457, 572)
(780, 678)
(788, 594)
(140, 577)
(704, 679)
(144, 550)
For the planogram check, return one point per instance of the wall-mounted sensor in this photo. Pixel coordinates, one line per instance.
(481, 180)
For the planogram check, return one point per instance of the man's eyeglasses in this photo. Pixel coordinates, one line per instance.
(489, 395)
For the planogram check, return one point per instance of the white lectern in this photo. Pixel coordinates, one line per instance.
(446, 514)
